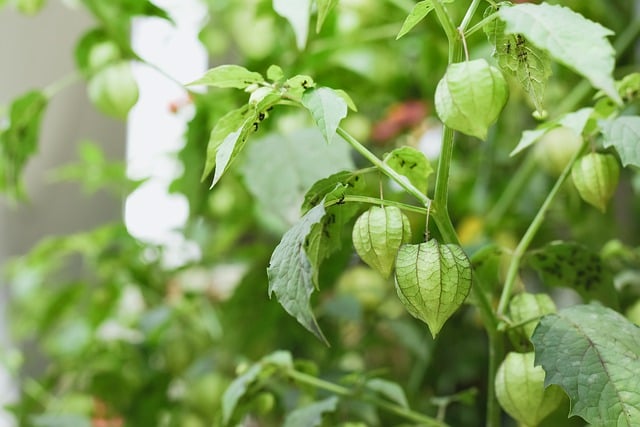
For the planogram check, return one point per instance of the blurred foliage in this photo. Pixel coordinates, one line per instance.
(110, 336)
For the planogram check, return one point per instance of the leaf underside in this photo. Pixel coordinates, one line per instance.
(623, 133)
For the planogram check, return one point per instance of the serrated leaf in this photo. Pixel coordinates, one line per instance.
(311, 415)
(229, 135)
(324, 7)
(229, 76)
(297, 12)
(576, 121)
(326, 185)
(326, 237)
(389, 389)
(279, 168)
(411, 163)
(291, 275)
(516, 56)
(593, 353)
(239, 386)
(571, 265)
(327, 109)
(569, 38)
(19, 140)
(623, 133)
(432, 281)
(417, 14)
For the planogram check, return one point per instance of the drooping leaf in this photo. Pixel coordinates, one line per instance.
(571, 265)
(327, 109)
(19, 140)
(324, 7)
(432, 281)
(229, 76)
(417, 14)
(229, 135)
(593, 353)
(623, 133)
(280, 168)
(239, 386)
(569, 38)
(311, 415)
(298, 13)
(529, 64)
(413, 164)
(389, 389)
(344, 95)
(576, 121)
(291, 275)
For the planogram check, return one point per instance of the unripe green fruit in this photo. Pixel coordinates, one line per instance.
(103, 53)
(470, 97)
(521, 392)
(432, 281)
(595, 176)
(364, 284)
(556, 148)
(114, 90)
(526, 307)
(378, 234)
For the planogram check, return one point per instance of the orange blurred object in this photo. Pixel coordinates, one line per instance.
(398, 119)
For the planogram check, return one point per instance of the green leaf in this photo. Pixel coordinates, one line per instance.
(411, 163)
(576, 121)
(344, 95)
(517, 57)
(280, 168)
(19, 140)
(229, 135)
(569, 264)
(275, 73)
(298, 13)
(419, 12)
(290, 272)
(593, 353)
(326, 185)
(389, 389)
(324, 7)
(239, 386)
(229, 76)
(311, 415)
(327, 109)
(432, 281)
(569, 38)
(623, 133)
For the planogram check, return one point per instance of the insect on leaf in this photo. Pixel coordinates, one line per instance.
(517, 57)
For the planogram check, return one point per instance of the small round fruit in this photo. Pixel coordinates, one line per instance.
(595, 176)
(556, 148)
(114, 90)
(521, 392)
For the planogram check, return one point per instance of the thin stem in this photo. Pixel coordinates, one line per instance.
(384, 168)
(469, 15)
(448, 26)
(51, 90)
(381, 403)
(375, 201)
(523, 245)
(480, 24)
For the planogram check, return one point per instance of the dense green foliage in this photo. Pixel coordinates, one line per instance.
(320, 131)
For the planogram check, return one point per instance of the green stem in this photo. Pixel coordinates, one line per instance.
(376, 201)
(381, 403)
(469, 15)
(448, 26)
(384, 32)
(51, 90)
(523, 245)
(384, 168)
(480, 24)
